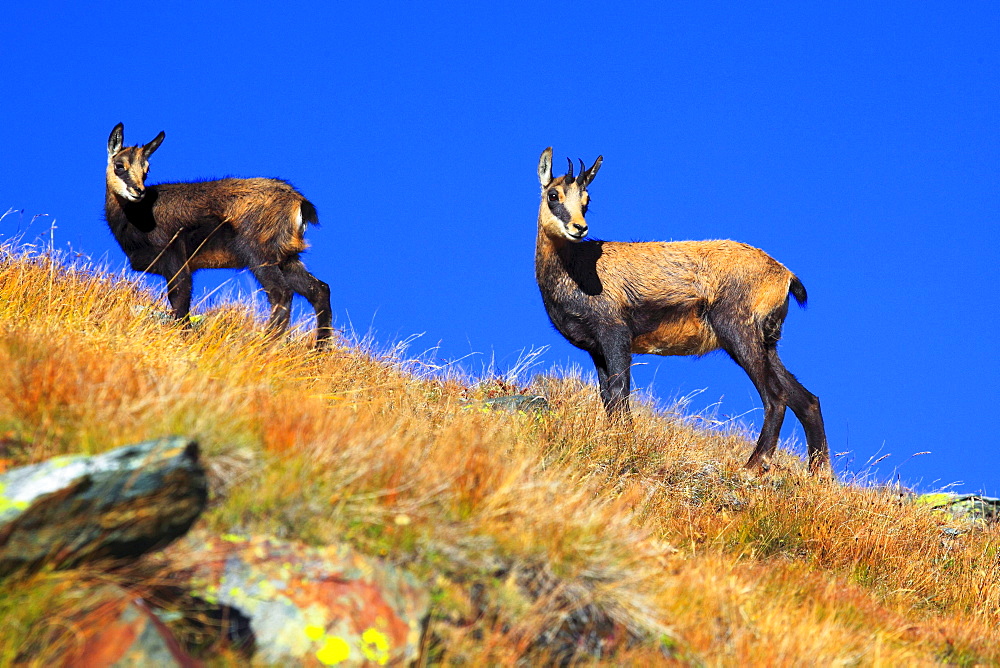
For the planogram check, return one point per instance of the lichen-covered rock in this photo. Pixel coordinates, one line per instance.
(967, 506)
(117, 629)
(519, 403)
(118, 505)
(311, 606)
(166, 318)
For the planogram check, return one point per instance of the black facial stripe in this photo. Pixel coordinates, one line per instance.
(127, 179)
(560, 211)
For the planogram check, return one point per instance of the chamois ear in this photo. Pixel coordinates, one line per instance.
(588, 176)
(116, 139)
(545, 167)
(148, 149)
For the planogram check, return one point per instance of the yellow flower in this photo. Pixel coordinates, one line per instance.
(335, 650)
(376, 646)
(314, 632)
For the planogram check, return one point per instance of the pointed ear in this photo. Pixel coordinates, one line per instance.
(545, 167)
(116, 139)
(589, 175)
(148, 149)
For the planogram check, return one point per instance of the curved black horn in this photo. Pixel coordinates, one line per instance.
(582, 179)
(569, 174)
(587, 176)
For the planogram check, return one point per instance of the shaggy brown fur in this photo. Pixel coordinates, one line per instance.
(614, 299)
(174, 229)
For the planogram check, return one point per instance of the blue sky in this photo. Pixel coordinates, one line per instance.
(857, 144)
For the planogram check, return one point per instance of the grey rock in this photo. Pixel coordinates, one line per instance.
(119, 504)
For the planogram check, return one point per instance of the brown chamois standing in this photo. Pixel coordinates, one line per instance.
(173, 229)
(614, 299)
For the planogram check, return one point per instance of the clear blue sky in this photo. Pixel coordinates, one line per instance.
(858, 143)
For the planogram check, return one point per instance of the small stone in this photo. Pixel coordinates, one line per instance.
(516, 403)
(117, 629)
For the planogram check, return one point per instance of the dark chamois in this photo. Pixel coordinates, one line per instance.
(173, 229)
(614, 299)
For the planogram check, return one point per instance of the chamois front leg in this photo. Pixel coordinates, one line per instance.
(179, 286)
(614, 373)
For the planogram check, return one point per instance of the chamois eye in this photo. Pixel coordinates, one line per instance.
(119, 165)
(553, 196)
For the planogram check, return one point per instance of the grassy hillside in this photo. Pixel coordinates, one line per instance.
(515, 521)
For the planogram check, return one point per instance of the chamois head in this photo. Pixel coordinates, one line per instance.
(128, 165)
(564, 198)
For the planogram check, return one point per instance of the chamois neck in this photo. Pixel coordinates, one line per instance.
(547, 249)
(113, 201)
(565, 267)
(110, 199)
(544, 238)
(123, 215)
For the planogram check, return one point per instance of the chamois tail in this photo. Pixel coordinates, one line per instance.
(798, 291)
(309, 214)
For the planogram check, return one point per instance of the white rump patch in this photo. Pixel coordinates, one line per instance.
(298, 221)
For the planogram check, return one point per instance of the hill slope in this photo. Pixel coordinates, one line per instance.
(524, 526)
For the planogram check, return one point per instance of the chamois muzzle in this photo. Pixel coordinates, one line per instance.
(576, 231)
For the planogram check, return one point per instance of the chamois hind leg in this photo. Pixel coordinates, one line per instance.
(279, 294)
(316, 292)
(805, 405)
(745, 344)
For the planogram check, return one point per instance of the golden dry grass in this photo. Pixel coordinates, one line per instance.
(514, 520)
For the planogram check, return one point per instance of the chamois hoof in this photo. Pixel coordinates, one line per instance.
(757, 466)
(822, 470)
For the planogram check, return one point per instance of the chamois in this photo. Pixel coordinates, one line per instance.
(613, 299)
(173, 229)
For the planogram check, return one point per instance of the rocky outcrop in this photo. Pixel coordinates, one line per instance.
(269, 601)
(117, 505)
